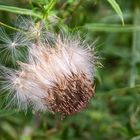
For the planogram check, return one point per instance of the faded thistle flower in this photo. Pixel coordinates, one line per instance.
(57, 74)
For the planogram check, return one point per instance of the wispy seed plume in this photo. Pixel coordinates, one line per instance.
(57, 75)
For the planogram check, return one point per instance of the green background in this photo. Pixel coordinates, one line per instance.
(114, 112)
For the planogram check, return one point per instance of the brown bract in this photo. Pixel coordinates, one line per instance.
(70, 95)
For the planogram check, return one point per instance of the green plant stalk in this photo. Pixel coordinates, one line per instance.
(101, 27)
(48, 8)
(117, 9)
(120, 91)
(10, 27)
(20, 11)
(135, 51)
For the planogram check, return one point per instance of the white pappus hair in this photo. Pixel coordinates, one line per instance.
(57, 75)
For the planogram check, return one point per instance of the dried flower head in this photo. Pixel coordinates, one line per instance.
(57, 75)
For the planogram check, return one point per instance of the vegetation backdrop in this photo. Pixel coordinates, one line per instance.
(114, 112)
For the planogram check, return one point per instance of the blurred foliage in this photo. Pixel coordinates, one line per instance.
(114, 113)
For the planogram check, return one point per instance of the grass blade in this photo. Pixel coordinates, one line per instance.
(116, 7)
(111, 27)
(20, 11)
(135, 49)
(120, 91)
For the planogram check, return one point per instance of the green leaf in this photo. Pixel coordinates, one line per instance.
(111, 27)
(116, 7)
(49, 6)
(20, 11)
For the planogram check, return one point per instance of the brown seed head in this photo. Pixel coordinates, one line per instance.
(70, 95)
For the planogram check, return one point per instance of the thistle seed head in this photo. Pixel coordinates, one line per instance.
(70, 95)
(57, 76)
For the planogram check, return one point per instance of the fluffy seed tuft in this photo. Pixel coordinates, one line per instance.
(57, 75)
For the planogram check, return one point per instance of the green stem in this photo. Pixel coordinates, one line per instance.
(135, 50)
(120, 91)
(13, 28)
